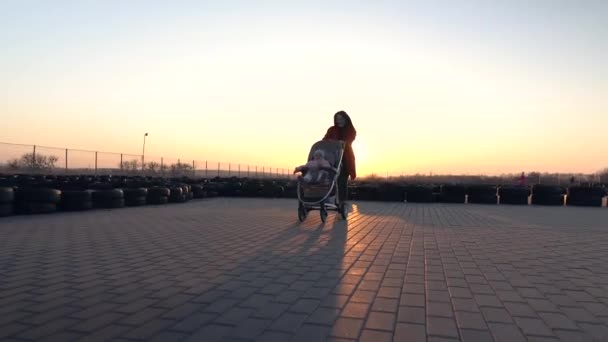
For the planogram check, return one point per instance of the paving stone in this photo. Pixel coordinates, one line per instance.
(347, 328)
(219, 269)
(380, 321)
(410, 332)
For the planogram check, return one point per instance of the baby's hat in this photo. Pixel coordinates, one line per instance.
(319, 151)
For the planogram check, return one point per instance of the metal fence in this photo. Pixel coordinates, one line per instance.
(34, 159)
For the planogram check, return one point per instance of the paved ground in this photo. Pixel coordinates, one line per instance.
(244, 269)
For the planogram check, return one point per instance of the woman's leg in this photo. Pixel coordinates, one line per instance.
(343, 186)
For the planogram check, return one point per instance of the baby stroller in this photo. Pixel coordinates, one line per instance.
(314, 195)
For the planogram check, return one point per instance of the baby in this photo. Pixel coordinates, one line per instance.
(312, 169)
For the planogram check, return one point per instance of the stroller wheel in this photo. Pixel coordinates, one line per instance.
(301, 213)
(323, 215)
(343, 211)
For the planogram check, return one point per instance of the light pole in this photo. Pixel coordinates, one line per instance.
(143, 153)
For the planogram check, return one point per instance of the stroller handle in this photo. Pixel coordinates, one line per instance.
(325, 168)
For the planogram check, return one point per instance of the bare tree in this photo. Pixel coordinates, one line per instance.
(152, 167)
(33, 161)
(130, 166)
(180, 169)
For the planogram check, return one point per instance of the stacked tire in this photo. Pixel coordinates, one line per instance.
(215, 189)
(135, 197)
(585, 196)
(547, 195)
(7, 197)
(391, 193)
(452, 194)
(198, 191)
(176, 194)
(158, 195)
(108, 198)
(37, 200)
(76, 200)
(482, 194)
(188, 192)
(419, 194)
(517, 195)
(353, 192)
(290, 190)
(271, 190)
(366, 192)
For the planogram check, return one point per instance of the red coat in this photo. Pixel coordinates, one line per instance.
(333, 133)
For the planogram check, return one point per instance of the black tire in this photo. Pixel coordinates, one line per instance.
(452, 194)
(6, 209)
(177, 195)
(585, 196)
(110, 203)
(107, 195)
(158, 200)
(42, 195)
(290, 191)
(186, 188)
(7, 195)
(158, 192)
(547, 190)
(197, 190)
(391, 193)
(483, 199)
(135, 201)
(135, 193)
(301, 213)
(100, 186)
(588, 202)
(548, 199)
(514, 199)
(323, 214)
(176, 191)
(41, 208)
(76, 196)
(177, 198)
(76, 206)
(419, 194)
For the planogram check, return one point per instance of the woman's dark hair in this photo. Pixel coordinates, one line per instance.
(349, 123)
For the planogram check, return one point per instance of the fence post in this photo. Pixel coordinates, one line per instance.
(34, 159)
(96, 163)
(66, 160)
(193, 169)
(229, 169)
(206, 170)
(162, 170)
(121, 165)
(218, 169)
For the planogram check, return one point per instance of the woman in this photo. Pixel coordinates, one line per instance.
(344, 130)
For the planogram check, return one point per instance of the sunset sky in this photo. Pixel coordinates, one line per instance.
(454, 86)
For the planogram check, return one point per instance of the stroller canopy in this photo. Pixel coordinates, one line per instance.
(331, 148)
